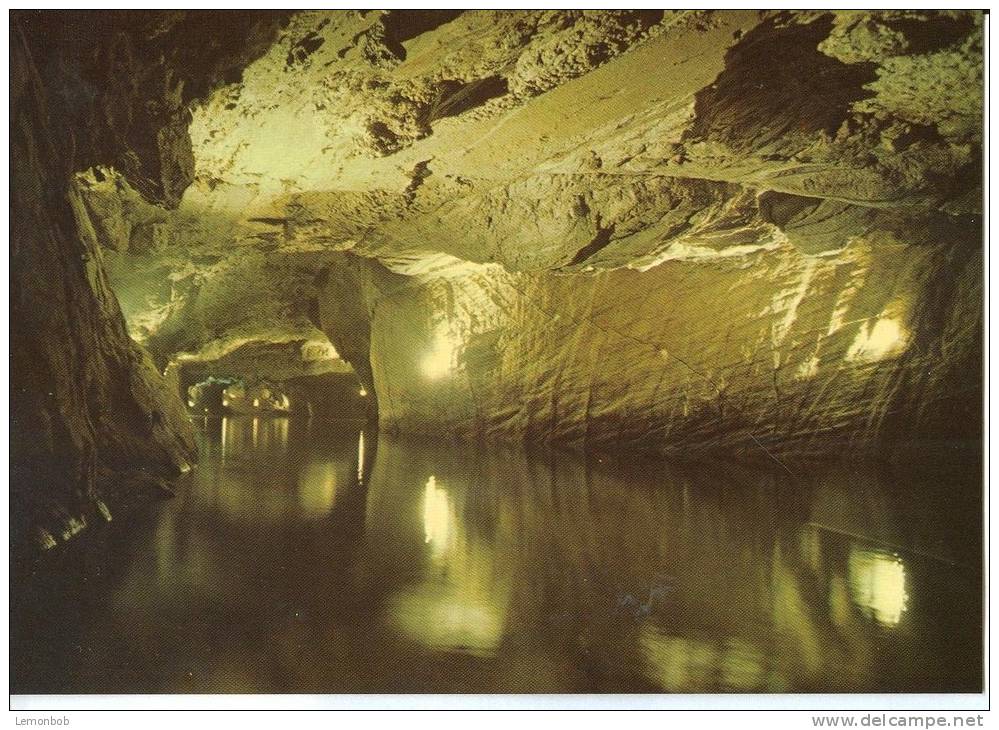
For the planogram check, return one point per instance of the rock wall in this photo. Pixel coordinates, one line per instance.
(86, 402)
(775, 353)
(92, 420)
(682, 231)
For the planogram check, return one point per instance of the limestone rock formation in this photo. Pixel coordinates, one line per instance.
(722, 229)
(93, 421)
(755, 232)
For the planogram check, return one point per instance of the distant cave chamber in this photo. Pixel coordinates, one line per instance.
(297, 378)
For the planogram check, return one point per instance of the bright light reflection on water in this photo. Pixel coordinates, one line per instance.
(317, 487)
(305, 556)
(436, 516)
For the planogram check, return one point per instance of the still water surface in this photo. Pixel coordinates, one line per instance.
(305, 556)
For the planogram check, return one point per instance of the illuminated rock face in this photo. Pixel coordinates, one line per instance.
(666, 231)
(769, 353)
(704, 231)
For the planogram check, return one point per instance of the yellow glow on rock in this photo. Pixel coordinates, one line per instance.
(877, 584)
(887, 338)
(442, 358)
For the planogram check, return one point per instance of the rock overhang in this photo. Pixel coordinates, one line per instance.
(461, 165)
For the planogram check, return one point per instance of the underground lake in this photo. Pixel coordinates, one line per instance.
(306, 556)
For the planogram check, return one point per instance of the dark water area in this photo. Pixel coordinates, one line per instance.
(309, 556)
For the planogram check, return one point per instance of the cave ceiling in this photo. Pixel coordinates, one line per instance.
(567, 142)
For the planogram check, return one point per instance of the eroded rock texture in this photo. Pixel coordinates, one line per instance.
(93, 421)
(671, 231)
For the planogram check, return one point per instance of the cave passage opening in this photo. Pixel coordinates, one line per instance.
(300, 378)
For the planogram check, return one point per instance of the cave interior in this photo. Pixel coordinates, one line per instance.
(739, 239)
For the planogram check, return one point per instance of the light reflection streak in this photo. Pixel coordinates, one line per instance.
(360, 456)
(225, 434)
(436, 516)
(317, 487)
(281, 424)
(461, 605)
(454, 620)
